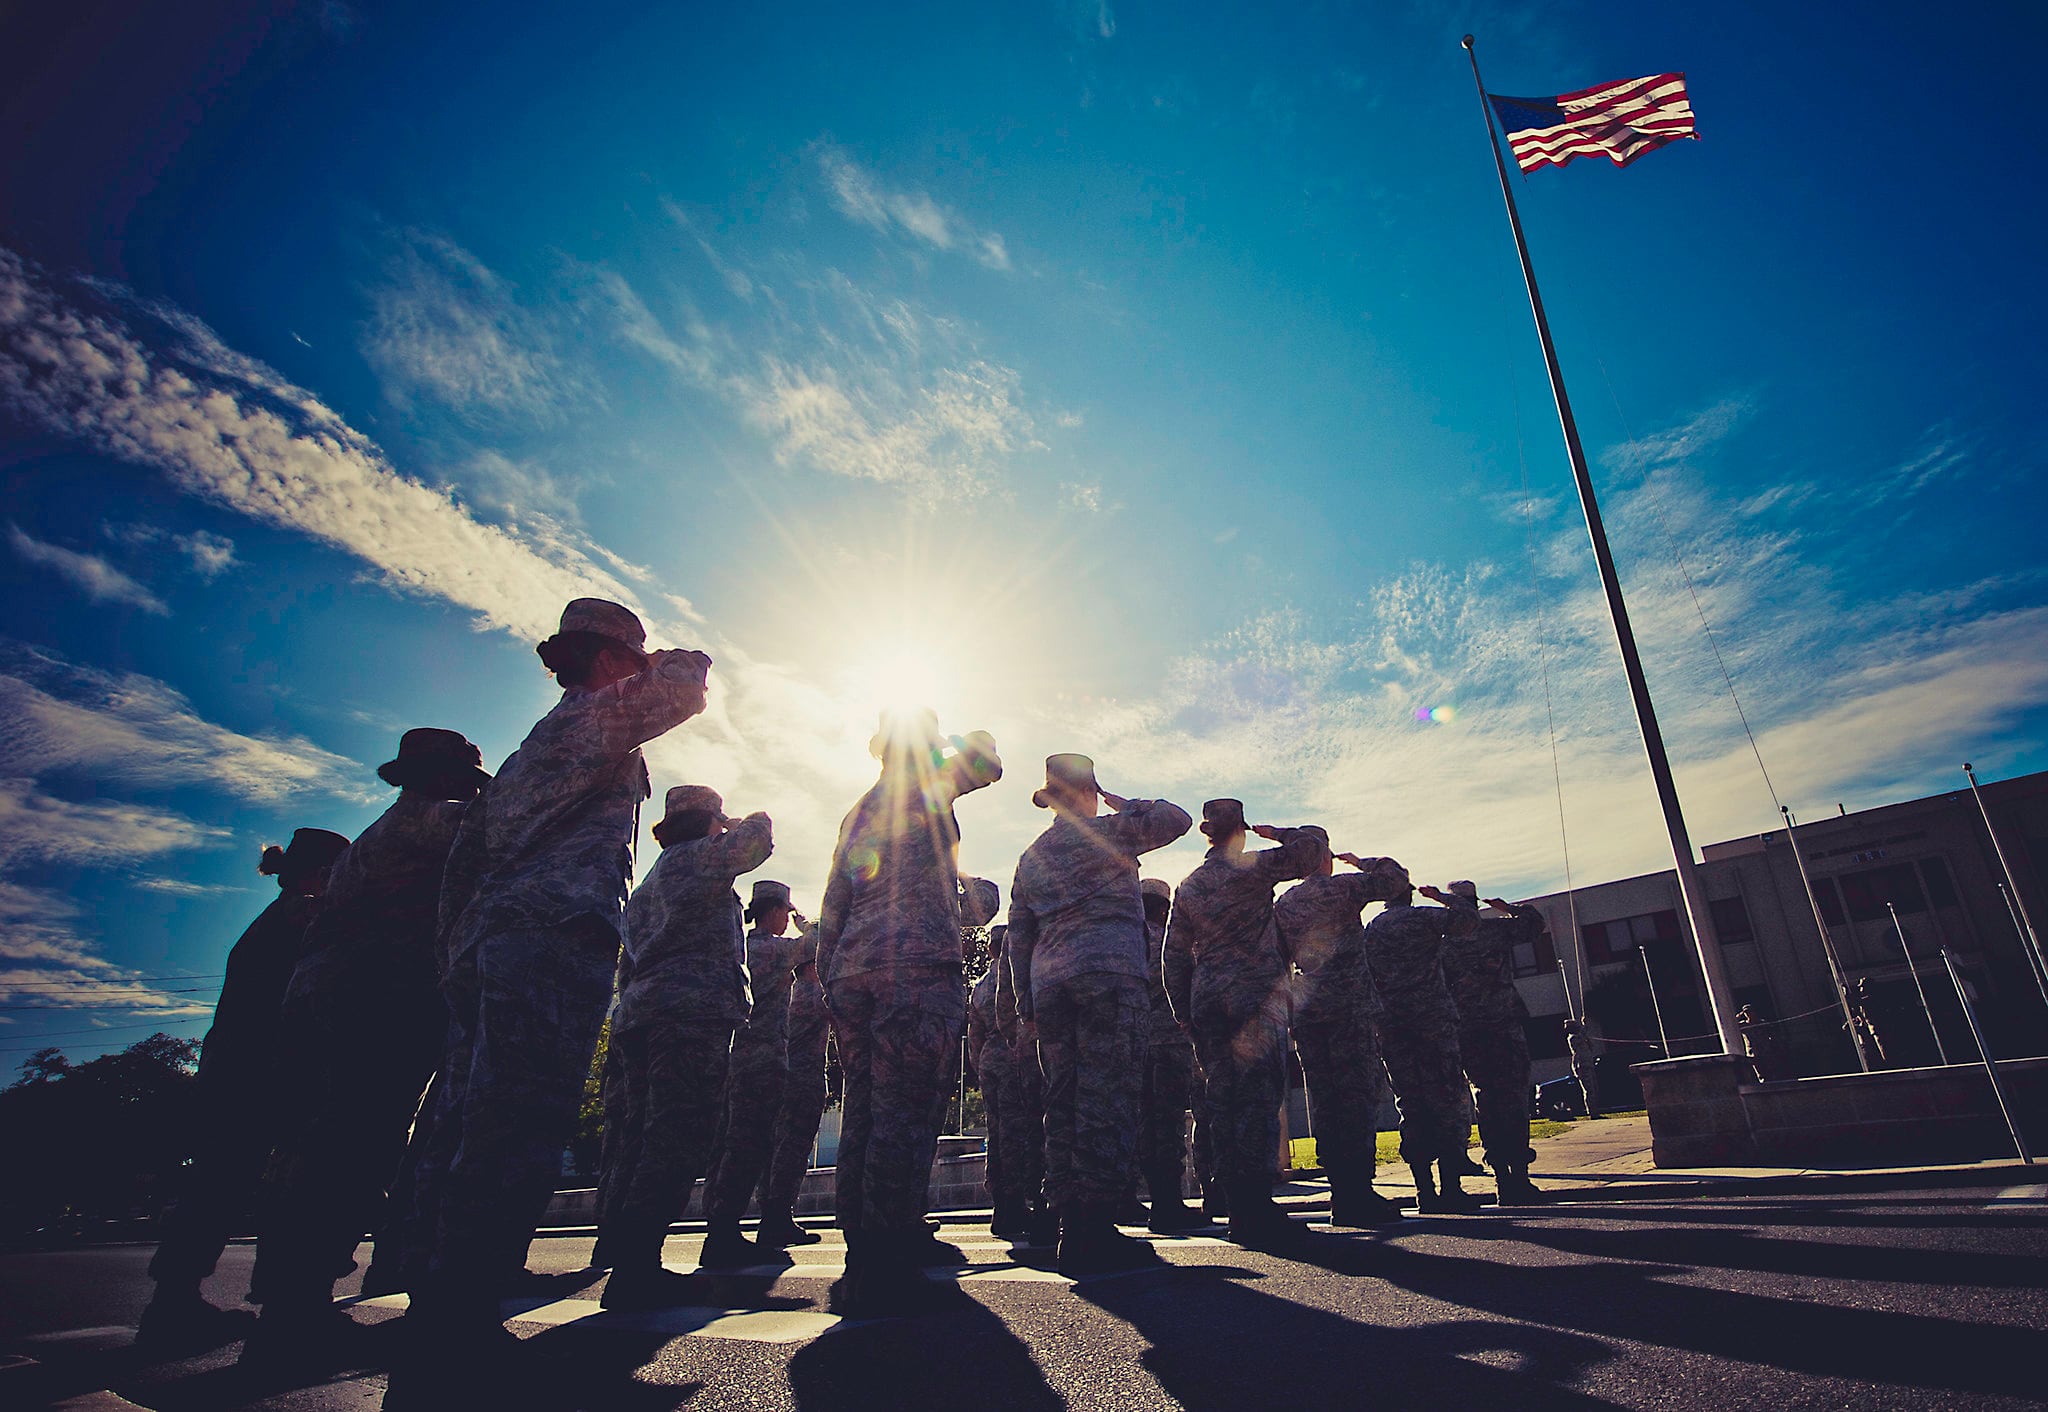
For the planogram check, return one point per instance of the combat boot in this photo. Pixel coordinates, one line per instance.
(1449, 1200)
(1215, 1200)
(1043, 1230)
(1090, 1243)
(781, 1232)
(726, 1249)
(1130, 1211)
(1169, 1212)
(1353, 1203)
(1009, 1218)
(1516, 1189)
(1257, 1223)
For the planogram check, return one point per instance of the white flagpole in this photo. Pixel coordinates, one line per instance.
(1720, 996)
(2032, 937)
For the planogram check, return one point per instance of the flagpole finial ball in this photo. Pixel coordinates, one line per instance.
(1466, 41)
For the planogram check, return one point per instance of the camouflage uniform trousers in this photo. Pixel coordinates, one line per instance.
(746, 1142)
(612, 1099)
(672, 1080)
(1091, 1042)
(1020, 1109)
(796, 1137)
(895, 1028)
(1496, 1059)
(1241, 1041)
(993, 1073)
(525, 1009)
(1346, 1082)
(344, 1143)
(236, 1122)
(1170, 1080)
(1429, 1085)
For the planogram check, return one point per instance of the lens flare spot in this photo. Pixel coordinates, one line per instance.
(1443, 715)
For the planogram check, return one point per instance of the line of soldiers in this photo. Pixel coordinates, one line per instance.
(487, 922)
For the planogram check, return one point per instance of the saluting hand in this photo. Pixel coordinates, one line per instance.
(1115, 801)
(1266, 831)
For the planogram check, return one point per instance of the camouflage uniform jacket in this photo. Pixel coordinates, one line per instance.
(1479, 967)
(375, 923)
(1404, 946)
(240, 1050)
(1074, 907)
(894, 895)
(1004, 1016)
(551, 838)
(808, 1025)
(686, 953)
(1221, 942)
(981, 1017)
(771, 971)
(1323, 932)
(1162, 1028)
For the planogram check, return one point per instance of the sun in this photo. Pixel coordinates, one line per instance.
(899, 675)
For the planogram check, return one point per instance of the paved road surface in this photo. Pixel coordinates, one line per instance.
(1911, 1298)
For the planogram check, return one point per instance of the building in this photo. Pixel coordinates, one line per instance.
(1930, 859)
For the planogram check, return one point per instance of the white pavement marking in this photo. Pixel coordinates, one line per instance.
(749, 1325)
(2035, 1193)
(123, 1331)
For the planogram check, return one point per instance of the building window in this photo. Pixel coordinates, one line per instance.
(1731, 921)
(1867, 892)
(1546, 1036)
(1941, 889)
(1830, 902)
(1536, 958)
(1608, 942)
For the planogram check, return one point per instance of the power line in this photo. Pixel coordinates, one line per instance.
(113, 981)
(139, 1001)
(110, 1029)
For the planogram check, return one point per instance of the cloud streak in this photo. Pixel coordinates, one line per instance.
(88, 573)
(861, 195)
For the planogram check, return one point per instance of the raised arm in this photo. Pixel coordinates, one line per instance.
(653, 701)
(745, 846)
(1296, 857)
(1142, 825)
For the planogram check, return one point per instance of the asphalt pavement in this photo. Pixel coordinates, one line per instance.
(1932, 1294)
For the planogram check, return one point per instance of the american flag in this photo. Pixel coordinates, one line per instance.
(1621, 120)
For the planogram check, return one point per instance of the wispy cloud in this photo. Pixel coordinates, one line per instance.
(1941, 452)
(207, 554)
(88, 573)
(446, 328)
(862, 195)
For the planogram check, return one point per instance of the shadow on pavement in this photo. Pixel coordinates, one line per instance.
(961, 1356)
(1218, 1344)
(1649, 1304)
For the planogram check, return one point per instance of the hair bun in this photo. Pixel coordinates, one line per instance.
(272, 863)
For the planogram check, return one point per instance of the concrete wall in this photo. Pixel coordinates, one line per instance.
(1708, 1112)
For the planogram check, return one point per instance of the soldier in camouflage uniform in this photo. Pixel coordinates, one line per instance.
(755, 1080)
(1170, 1077)
(1076, 952)
(1019, 1197)
(1585, 1051)
(1404, 946)
(803, 1101)
(673, 1032)
(1493, 1038)
(531, 905)
(240, 1105)
(989, 1056)
(369, 952)
(1227, 980)
(1335, 1010)
(889, 953)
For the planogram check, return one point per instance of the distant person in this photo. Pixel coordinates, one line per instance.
(1076, 950)
(1585, 1053)
(1419, 1038)
(1227, 979)
(809, 1029)
(1493, 1035)
(1170, 1078)
(1336, 1010)
(889, 954)
(1864, 1014)
(989, 1056)
(531, 908)
(1760, 1044)
(1020, 1208)
(754, 1080)
(239, 1102)
(672, 1034)
(368, 960)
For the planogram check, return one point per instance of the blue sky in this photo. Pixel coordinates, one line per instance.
(1148, 380)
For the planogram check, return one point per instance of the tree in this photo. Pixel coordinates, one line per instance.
(96, 1141)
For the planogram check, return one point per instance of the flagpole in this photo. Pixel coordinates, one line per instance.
(1705, 941)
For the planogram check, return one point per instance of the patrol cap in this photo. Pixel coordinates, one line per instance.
(1222, 817)
(691, 798)
(429, 754)
(1464, 888)
(605, 618)
(769, 893)
(1075, 773)
(311, 850)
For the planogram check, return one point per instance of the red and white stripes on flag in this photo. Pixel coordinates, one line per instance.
(1620, 121)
